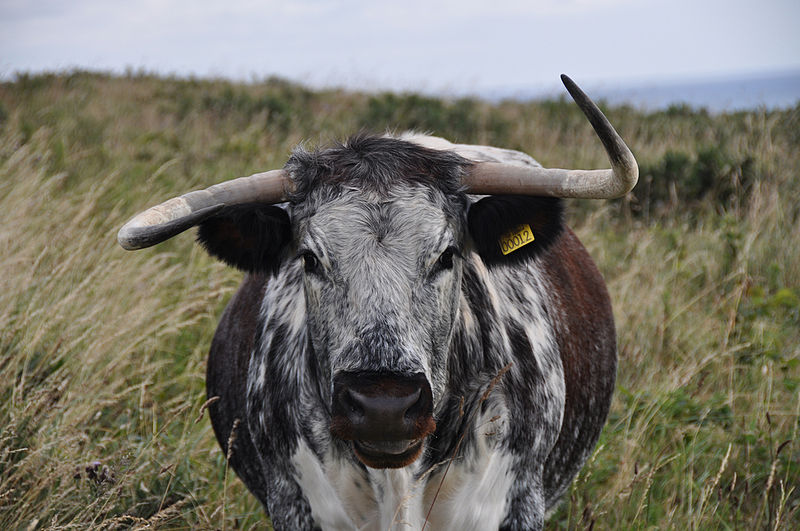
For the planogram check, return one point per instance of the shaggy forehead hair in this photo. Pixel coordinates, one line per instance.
(376, 164)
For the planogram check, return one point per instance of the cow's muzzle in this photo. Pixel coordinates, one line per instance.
(385, 416)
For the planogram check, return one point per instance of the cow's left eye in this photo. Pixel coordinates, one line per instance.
(310, 262)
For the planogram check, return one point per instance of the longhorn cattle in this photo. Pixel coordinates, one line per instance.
(418, 342)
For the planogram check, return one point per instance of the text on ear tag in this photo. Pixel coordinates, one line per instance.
(515, 239)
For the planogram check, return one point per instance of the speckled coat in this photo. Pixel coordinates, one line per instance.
(381, 263)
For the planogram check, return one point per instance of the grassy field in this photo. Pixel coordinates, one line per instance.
(102, 352)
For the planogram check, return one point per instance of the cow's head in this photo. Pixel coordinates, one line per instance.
(379, 228)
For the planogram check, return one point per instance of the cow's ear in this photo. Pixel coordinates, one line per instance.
(512, 228)
(254, 238)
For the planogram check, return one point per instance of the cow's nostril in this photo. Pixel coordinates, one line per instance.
(352, 403)
(417, 405)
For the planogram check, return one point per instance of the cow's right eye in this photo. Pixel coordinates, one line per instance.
(310, 262)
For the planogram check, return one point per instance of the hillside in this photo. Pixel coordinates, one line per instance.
(102, 352)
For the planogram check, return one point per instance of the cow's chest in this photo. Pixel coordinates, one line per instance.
(469, 494)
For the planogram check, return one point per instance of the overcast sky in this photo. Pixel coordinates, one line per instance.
(454, 46)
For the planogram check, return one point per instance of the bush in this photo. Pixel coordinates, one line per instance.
(461, 121)
(686, 182)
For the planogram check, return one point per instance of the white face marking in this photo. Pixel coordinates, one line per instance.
(377, 299)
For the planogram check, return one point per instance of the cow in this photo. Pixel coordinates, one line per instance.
(419, 341)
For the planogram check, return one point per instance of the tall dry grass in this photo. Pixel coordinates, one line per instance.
(102, 352)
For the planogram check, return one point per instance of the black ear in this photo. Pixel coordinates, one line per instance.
(495, 225)
(253, 238)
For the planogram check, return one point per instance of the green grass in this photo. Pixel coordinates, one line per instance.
(102, 352)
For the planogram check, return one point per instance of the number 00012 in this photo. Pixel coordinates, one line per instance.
(515, 239)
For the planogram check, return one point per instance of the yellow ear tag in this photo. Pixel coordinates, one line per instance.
(515, 239)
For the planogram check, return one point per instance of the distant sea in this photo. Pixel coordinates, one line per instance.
(770, 91)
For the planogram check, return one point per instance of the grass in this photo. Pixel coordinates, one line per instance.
(102, 352)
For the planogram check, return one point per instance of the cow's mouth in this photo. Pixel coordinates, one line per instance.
(388, 454)
(385, 416)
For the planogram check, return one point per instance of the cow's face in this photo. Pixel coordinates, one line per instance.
(381, 272)
(378, 230)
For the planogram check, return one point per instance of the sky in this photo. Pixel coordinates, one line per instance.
(444, 46)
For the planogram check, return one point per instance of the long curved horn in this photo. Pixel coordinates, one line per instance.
(178, 214)
(498, 178)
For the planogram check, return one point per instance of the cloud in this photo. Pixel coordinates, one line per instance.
(402, 44)
(459, 9)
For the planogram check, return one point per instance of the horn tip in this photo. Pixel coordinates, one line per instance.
(572, 87)
(126, 237)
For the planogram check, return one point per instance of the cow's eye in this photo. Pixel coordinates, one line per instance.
(445, 260)
(310, 262)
